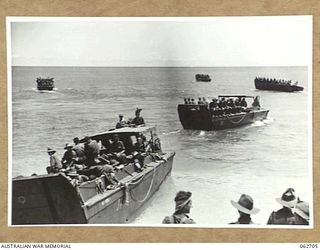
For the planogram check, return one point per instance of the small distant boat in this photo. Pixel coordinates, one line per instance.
(203, 78)
(263, 83)
(222, 114)
(45, 83)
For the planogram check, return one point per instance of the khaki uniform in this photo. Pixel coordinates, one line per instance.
(283, 216)
(55, 164)
(178, 219)
(243, 220)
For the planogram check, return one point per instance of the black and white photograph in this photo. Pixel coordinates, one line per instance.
(160, 121)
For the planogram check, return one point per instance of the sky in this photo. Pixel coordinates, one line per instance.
(157, 42)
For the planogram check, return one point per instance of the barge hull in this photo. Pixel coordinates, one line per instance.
(123, 205)
(51, 199)
(277, 87)
(46, 199)
(45, 88)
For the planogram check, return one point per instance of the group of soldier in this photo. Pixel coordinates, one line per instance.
(224, 106)
(293, 211)
(274, 81)
(89, 158)
(45, 81)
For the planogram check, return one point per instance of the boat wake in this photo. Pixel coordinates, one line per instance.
(195, 133)
(267, 121)
(171, 132)
(208, 158)
(202, 133)
(45, 91)
(257, 124)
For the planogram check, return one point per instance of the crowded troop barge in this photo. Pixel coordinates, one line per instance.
(45, 83)
(263, 83)
(58, 199)
(221, 113)
(203, 78)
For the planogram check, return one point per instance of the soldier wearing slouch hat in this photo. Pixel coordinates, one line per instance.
(284, 216)
(245, 208)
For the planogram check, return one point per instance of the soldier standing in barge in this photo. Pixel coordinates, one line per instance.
(122, 122)
(138, 120)
(91, 149)
(68, 157)
(79, 149)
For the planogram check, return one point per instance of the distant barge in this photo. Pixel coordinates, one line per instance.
(203, 78)
(263, 83)
(216, 117)
(45, 83)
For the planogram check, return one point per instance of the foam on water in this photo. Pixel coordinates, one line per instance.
(258, 124)
(264, 122)
(269, 120)
(46, 91)
(171, 132)
(202, 133)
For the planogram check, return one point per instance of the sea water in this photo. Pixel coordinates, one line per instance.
(262, 159)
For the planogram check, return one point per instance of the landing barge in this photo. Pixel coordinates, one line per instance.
(219, 115)
(203, 78)
(45, 83)
(53, 199)
(276, 85)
